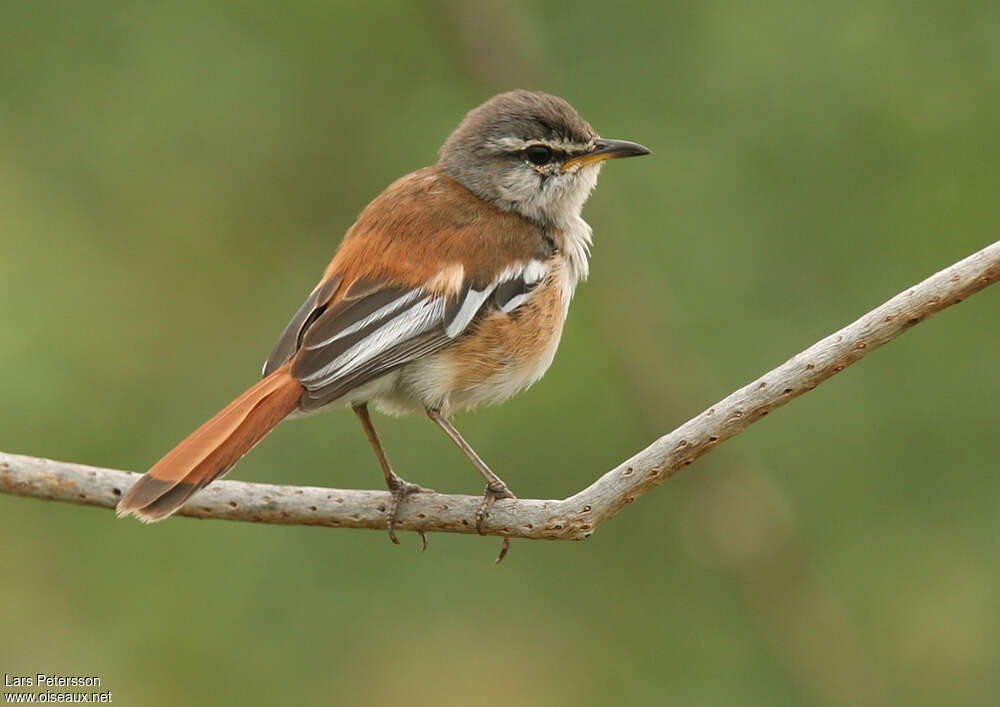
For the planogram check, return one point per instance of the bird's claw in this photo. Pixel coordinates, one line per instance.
(492, 494)
(400, 491)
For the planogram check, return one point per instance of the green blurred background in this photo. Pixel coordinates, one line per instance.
(174, 176)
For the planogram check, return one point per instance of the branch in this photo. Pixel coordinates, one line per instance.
(573, 518)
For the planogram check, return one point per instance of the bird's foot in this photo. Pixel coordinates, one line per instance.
(400, 490)
(493, 493)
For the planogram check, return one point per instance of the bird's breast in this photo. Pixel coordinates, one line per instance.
(501, 354)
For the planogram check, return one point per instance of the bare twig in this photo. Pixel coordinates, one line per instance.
(573, 518)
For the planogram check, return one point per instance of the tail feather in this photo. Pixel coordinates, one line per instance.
(212, 449)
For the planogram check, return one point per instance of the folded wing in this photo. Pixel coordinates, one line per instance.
(339, 341)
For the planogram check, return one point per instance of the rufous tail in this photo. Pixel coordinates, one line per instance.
(212, 449)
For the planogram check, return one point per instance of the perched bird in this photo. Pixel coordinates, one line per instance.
(450, 290)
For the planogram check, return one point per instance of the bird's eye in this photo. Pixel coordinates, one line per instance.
(538, 154)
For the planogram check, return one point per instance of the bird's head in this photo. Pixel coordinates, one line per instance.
(531, 153)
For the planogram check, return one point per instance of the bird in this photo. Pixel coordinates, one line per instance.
(450, 290)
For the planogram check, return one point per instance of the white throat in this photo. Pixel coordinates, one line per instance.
(557, 205)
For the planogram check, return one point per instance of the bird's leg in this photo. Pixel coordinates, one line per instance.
(495, 487)
(397, 486)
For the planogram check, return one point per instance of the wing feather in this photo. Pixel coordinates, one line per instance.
(318, 366)
(291, 338)
(374, 327)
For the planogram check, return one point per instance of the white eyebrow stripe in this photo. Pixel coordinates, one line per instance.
(508, 143)
(514, 144)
